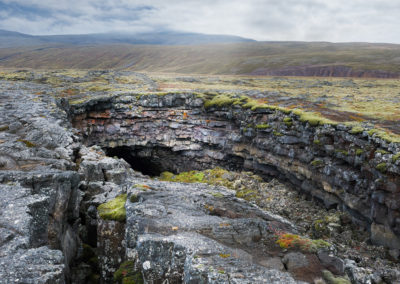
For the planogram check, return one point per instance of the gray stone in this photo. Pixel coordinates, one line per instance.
(331, 262)
(295, 260)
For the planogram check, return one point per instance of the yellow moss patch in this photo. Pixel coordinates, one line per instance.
(27, 143)
(220, 101)
(114, 209)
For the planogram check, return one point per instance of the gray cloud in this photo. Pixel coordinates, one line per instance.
(310, 20)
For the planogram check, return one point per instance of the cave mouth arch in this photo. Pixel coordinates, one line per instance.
(144, 163)
(152, 161)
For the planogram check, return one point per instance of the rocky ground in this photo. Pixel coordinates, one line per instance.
(51, 231)
(371, 264)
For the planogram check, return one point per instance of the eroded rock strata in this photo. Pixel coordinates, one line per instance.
(51, 186)
(354, 172)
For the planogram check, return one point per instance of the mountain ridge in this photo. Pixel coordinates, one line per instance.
(166, 37)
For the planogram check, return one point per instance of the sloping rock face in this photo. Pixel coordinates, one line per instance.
(354, 172)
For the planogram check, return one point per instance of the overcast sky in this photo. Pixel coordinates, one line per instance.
(305, 20)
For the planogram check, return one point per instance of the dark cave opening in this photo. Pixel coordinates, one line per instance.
(152, 161)
(147, 165)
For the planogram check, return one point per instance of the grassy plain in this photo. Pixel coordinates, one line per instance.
(267, 58)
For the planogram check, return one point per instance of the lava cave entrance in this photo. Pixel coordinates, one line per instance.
(138, 160)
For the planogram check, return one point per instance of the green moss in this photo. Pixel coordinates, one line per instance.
(359, 152)
(246, 194)
(288, 121)
(312, 118)
(262, 126)
(127, 275)
(276, 133)
(357, 130)
(226, 255)
(264, 106)
(77, 102)
(343, 152)
(28, 144)
(317, 163)
(114, 209)
(386, 136)
(99, 88)
(216, 176)
(188, 177)
(382, 167)
(317, 142)
(166, 176)
(396, 157)
(4, 128)
(382, 152)
(372, 132)
(330, 279)
(319, 244)
(220, 101)
(217, 195)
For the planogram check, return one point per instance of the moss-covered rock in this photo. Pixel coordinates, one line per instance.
(220, 101)
(288, 121)
(263, 126)
(382, 167)
(359, 152)
(342, 151)
(317, 142)
(27, 143)
(126, 274)
(357, 130)
(114, 209)
(317, 163)
(4, 128)
(278, 134)
(382, 152)
(330, 279)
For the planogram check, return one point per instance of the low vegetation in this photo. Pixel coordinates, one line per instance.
(368, 106)
(114, 209)
(297, 242)
(126, 274)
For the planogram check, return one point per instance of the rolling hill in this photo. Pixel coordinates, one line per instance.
(200, 54)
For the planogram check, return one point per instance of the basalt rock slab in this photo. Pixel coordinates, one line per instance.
(203, 234)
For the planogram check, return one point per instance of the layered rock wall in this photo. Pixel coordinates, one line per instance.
(355, 172)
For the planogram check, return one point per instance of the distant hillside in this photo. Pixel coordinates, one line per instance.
(14, 39)
(166, 55)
